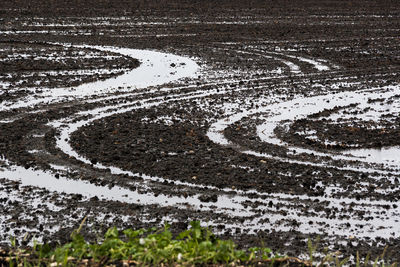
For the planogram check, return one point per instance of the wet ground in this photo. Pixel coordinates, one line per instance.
(272, 123)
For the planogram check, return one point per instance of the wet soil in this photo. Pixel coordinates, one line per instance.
(251, 56)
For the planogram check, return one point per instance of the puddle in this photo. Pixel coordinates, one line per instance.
(316, 64)
(301, 108)
(47, 180)
(383, 155)
(226, 204)
(156, 68)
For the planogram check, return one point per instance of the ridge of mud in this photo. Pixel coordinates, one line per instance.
(156, 142)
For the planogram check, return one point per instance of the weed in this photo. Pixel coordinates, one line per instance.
(195, 246)
(334, 259)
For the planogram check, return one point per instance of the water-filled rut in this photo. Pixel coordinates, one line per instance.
(262, 139)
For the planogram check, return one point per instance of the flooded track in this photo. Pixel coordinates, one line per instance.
(263, 138)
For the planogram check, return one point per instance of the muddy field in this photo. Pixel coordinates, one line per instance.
(272, 122)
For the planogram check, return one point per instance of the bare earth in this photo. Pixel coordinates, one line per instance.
(287, 128)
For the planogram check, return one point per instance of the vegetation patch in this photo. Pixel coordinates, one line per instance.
(197, 246)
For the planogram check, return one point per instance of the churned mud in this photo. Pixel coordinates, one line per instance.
(272, 123)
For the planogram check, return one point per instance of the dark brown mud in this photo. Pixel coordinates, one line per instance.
(251, 56)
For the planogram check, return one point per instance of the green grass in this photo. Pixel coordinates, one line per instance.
(196, 246)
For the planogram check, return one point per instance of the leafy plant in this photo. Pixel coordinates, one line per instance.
(197, 245)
